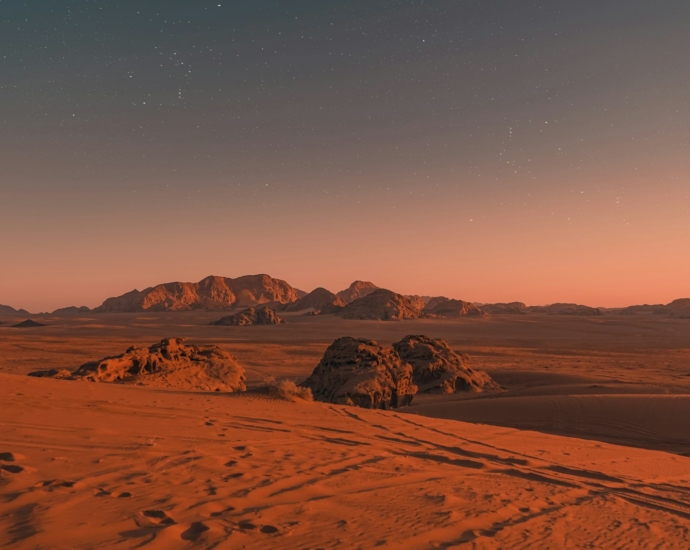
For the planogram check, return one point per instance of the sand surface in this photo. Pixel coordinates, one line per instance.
(198, 469)
(85, 465)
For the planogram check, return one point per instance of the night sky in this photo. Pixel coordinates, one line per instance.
(485, 150)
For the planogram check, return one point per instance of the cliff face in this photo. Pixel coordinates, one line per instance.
(211, 293)
(356, 290)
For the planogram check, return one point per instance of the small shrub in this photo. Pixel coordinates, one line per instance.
(287, 389)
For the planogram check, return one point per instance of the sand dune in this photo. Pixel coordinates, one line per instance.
(79, 470)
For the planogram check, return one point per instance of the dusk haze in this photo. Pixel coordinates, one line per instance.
(410, 274)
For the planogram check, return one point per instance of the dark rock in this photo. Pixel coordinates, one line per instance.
(437, 368)
(252, 316)
(362, 373)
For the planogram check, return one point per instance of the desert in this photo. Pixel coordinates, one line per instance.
(410, 275)
(589, 427)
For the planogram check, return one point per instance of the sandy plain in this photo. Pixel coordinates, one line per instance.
(587, 448)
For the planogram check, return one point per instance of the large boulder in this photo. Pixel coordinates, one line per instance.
(454, 308)
(251, 316)
(360, 372)
(384, 305)
(320, 299)
(437, 368)
(169, 363)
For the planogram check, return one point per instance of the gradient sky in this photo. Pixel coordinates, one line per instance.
(482, 149)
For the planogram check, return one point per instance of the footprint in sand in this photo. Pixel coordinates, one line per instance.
(158, 517)
(249, 526)
(11, 468)
(10, 457)
(100, 492)
(221, 512)
(52, 484)
(195, 530)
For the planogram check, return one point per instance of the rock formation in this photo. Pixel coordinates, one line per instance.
(437, 368)
(384, 305)
(211, 293)
(512, 308)
(71, 310)
(320, 300)
(566, 309)
(169, 363)
(432, 302)
(253, 316)
(28, 324)
(454, 308)
(678, 308)
(362, 373)
(358, 289)
(8, 310)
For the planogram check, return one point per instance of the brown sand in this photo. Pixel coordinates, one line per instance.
(88, 464)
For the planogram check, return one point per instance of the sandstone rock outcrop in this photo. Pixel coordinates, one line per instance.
(320, 299)
(252, 316)
(169, 363)
(437, 368)
(384, 305)
(454, 308)
(512, 308)
(434, 301)
(211, 293)
(360, 372)
(566, 309)
(358, 289)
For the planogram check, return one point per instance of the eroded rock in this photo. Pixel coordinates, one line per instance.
(437, 368)
(169, 363)
(356, 371)
(251, 316)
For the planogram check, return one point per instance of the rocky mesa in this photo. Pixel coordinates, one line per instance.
(212, 293)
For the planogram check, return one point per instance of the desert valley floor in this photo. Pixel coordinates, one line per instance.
(587, 447)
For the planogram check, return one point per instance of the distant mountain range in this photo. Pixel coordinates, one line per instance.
(7, 310)
(223, 293)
